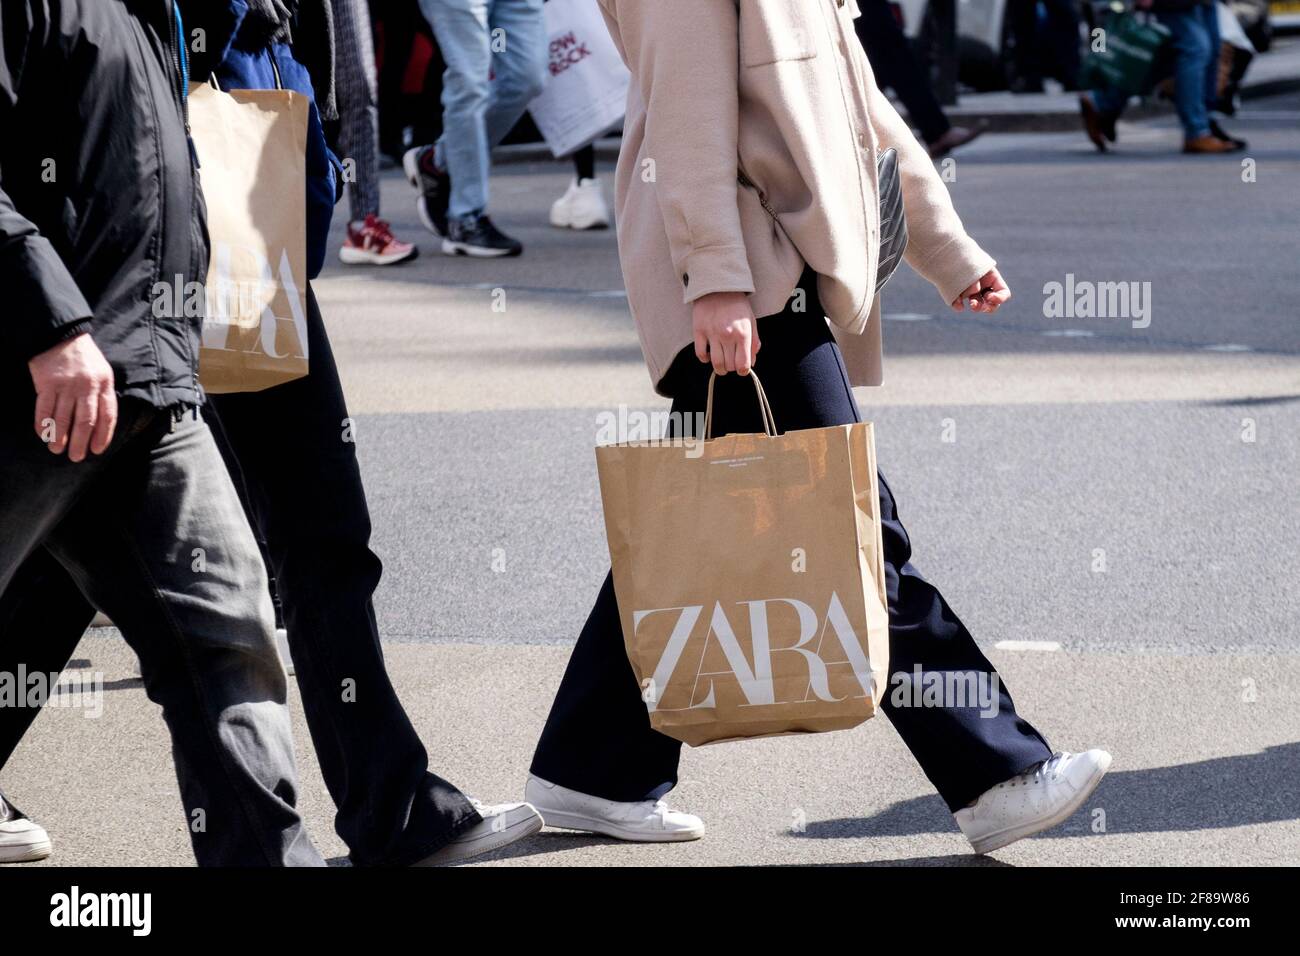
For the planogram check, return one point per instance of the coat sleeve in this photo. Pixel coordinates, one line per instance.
(684, 58)
(42, 304)
(938, 247)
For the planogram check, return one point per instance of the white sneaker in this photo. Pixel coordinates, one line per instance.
(502, 824)
(21, 840)
(581, 207)
(1041, 797)
(646, 821)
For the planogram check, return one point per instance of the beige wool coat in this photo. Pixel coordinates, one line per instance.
(749, 150)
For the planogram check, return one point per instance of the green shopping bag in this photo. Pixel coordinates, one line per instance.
(1130, 60)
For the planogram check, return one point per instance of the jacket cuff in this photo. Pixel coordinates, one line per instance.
(714, 269)
(44, 295)
(53, 337)
(72, 331)
(955, 266)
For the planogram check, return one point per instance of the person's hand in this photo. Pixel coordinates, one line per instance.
(726, 332)
(984, 295)
(76, 406)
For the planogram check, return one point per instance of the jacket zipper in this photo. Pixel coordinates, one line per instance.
(181, 63)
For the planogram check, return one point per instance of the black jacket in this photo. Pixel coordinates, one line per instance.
(99, 199)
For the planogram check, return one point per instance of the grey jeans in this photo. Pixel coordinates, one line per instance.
(153, 533)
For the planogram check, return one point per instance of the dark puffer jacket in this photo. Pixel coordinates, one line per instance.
(99, 199)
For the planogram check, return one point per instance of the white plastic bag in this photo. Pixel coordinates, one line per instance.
(586, 84)
(1230, 30)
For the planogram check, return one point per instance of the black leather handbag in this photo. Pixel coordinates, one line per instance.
(893, 223)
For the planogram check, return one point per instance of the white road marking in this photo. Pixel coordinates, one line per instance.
(1227, 347)
(1070, 333)
(1028, 645)
(1283, 115)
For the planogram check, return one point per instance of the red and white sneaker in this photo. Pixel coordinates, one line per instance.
(372, 242)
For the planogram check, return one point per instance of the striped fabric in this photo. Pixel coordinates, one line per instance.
(355, 90)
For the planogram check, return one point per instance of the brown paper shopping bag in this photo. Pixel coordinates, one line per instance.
(750, 579)
(251, 146)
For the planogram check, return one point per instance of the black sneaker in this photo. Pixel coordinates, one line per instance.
(21, 840)
(433, 185)
(474, 235)
(1217, 131)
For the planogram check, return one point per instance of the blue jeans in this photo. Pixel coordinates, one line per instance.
(495, 51)
(1196, 69)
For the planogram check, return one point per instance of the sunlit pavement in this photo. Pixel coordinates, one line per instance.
(1125, 493)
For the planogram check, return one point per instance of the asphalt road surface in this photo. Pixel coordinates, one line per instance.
(1116, 496)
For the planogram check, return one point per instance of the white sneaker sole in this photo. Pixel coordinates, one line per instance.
(413, 177)
(450, 248)
(353, 257)
(580, 225)
(578, 821)
(996, 841)
(25, 852)
(494, 840)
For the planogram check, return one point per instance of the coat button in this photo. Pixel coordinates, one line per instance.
(686, 279)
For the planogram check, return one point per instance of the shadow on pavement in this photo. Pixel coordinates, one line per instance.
(955, 859)
(1211, 794)
(125, 683)
(549, 842)
(1234, 402)
(529, 846)
(558, 842)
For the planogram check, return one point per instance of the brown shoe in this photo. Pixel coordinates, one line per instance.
(956, 136)
(1092, 122)
(1208, 144)
(1218, 131)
